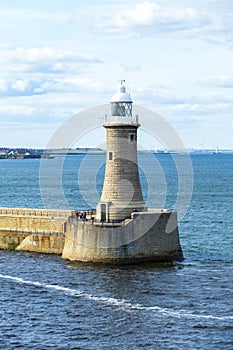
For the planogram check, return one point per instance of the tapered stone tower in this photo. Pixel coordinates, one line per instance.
(123, 230)
(121, 193)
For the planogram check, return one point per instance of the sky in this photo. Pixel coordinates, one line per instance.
(58, 58)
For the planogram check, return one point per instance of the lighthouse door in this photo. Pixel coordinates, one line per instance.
(103, 212)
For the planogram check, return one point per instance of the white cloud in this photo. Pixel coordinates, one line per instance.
(3, 85)
(53, 83)
(24, 14)
(143, 14)
(149, 15)
(201, 108)
(131, 67)
(223, 81)
(44, 54)
(37, 85)
(43, 70)
(182, 106)
(20, 85)
(17, 110)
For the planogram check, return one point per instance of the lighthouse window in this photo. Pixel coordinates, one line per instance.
(132, 137)
(110, 156)
(118, 109)
(121, 109)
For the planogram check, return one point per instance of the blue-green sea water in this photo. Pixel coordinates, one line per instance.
(50, 303)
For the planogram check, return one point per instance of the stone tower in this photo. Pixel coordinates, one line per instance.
(123, 230)
(121, 193)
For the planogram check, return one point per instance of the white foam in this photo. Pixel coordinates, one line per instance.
(120, 303)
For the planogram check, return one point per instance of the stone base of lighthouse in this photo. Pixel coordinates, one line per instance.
(147, 236)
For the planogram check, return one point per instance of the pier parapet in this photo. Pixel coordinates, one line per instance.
(38, 230)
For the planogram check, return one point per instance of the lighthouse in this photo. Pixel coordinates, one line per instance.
(123, 230)
(121, 194)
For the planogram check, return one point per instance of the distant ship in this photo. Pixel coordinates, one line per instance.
(216, 151)
(158, 151)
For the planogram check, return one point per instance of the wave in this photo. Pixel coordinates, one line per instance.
(120, 303)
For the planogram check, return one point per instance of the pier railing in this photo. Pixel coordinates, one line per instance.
(34, 212)
(134, 119)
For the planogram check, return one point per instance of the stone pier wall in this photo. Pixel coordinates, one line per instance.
(147, 236)
(37, 230)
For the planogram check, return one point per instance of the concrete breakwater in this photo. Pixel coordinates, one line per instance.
(37, 230)
(150, 235)
(145, 236)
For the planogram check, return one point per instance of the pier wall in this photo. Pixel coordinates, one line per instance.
(37, 230)
(147, 236)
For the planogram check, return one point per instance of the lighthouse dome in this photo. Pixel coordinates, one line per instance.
(121, 95)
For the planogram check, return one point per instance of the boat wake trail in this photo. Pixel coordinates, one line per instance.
(119, 303)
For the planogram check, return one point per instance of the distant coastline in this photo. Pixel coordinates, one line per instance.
(29, 153)
(22, 153)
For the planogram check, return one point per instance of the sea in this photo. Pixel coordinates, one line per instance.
(51, 303)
